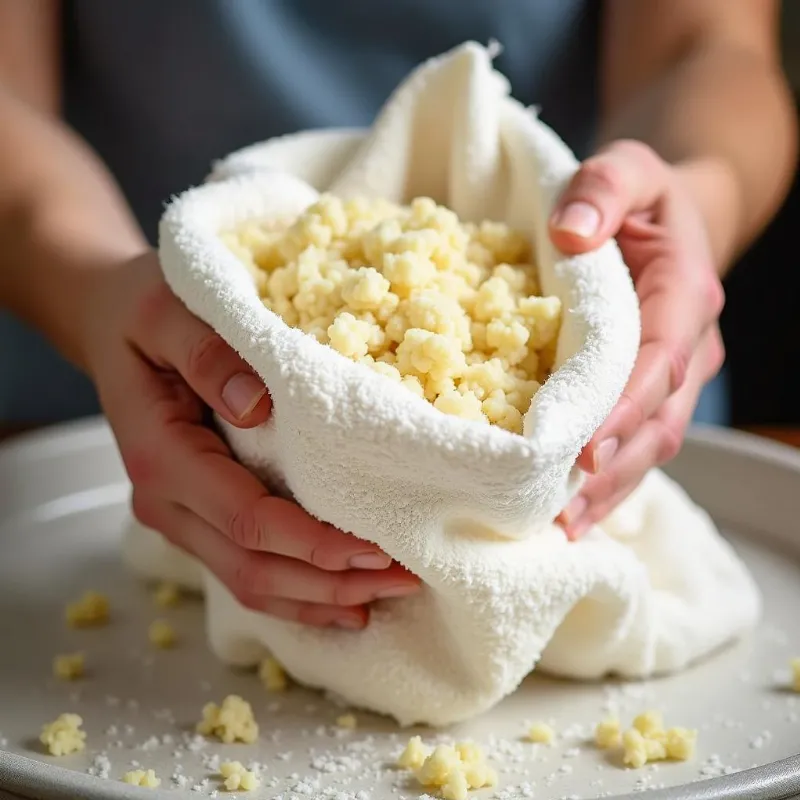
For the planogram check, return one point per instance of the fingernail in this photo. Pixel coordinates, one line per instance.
(349, 623)
(579, 218)
(574, 510)
(241, 394)
(370, 561)
(397, 591)
(604, 453)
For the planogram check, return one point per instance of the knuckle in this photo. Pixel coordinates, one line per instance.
(602, 174)
(204, 355)
(152, 307)
(677, 357)
(714, 295)
(717, 354)
(671, 441)
(635, 415)
(250, 579)
(141, 465)
(145, 510)
(244, 530)
(635, 150)
(342, 592)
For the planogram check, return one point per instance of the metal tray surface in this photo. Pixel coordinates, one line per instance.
(63, 499)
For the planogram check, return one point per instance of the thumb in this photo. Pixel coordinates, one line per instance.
(623, 178)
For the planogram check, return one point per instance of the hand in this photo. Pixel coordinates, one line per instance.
(626, 191)
(157, 367)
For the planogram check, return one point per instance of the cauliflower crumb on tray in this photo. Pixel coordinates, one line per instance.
(541, 733)
(230, 722)
(449, 310)
(795, 666)
(455, 770)
(647, 740)
(92, 609)
(167, 595)
(237, 778)
(161, 634)
(64, 736)
(69, 666)
(140, 777)
(272, 675)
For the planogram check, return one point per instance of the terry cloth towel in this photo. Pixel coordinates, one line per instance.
(467, 507)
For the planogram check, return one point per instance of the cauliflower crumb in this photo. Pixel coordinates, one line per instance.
(540, 733)
(455, 770)
(231, 722)
(416, 295)
(161, 634)
(795, 666)
(650, 724)
(272, 675)
(414, 754)
(167, 595)
(64, 735)
(92, 609)
(140, 777)
(347, 721)
(608, 733)
(236, 777)
(680, 744)
(69, 666)
(647, 741)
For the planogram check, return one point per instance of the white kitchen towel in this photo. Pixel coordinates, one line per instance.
(467, 507)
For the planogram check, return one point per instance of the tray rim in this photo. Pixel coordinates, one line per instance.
(30, 778)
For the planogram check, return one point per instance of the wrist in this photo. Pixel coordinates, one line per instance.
(58, 270)
(714, 186)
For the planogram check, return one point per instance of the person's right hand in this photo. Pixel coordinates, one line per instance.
(157, 369)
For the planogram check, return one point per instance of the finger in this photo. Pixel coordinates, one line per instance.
(658, 442)
(248, 573)
(175, 339)
(204, 478)
(198, 539)
(675, 316)
(625, 177)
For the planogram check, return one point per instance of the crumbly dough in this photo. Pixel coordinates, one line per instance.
(795, 665)
(64, 735)
(455, 770)
(233, 721)
(69, 666)
(140, 777)
(647, 740)
(92, 609)
(347, 721)
(414, 754)
(237, 778)
(167, 595)
(272, 675)
(161, 634)
(450, 311)
(608, 733)
(541, 733)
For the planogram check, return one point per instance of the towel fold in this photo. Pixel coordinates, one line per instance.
(467, 507)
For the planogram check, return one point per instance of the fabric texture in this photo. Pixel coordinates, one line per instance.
(468, 508)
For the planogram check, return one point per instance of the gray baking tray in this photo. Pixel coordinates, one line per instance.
(63, 500)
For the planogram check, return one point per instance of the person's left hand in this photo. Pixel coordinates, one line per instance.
(626, 191)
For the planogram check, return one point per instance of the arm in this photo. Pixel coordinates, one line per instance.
(61, 216)
(74, 264)
(698, 143)
(700, 82)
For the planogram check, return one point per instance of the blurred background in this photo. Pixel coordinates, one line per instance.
(761, 323)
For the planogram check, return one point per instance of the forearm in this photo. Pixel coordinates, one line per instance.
(62, 220)
(725, 118)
